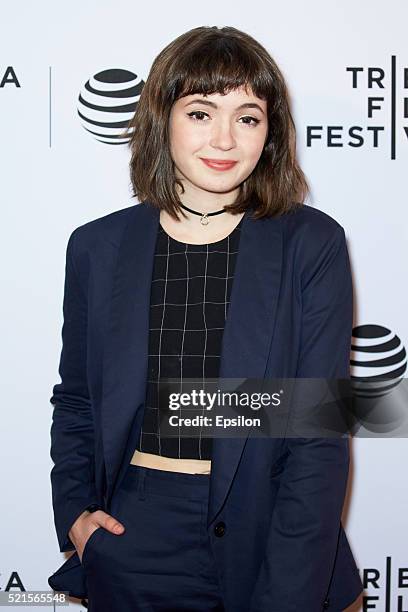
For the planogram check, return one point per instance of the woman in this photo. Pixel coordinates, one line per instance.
(219, 271)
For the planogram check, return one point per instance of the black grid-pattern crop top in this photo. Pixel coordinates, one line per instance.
(190, 295)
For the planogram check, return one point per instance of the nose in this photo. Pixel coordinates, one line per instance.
(222, 136)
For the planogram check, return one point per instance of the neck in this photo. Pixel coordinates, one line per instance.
(191, 230)
(206, 202)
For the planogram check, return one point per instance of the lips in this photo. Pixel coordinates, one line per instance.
(217, 164)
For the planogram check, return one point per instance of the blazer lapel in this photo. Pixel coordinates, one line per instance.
(126, 350)
(247, 334)
(245, 346)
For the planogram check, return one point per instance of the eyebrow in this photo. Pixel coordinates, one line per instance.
(213, 105)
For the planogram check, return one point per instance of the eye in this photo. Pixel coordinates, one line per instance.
(256, 121)
(194, 114)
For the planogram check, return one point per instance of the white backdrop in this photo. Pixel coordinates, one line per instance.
(56, 176)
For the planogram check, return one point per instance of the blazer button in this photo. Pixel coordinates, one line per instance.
(219, 529)
(326, 604)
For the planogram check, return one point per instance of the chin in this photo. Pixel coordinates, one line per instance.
(217, 188)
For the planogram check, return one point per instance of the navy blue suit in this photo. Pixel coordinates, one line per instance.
(290, 316)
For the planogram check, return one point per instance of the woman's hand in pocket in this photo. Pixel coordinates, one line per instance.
(87, 523)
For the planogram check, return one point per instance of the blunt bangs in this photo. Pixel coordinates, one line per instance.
(220, 68)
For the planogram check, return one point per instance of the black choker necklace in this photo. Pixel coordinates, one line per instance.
(204, 216)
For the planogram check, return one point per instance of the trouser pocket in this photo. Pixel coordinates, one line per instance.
(90, 543)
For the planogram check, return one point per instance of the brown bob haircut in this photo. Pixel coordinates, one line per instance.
(208, 60)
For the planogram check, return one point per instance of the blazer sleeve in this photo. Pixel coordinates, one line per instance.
(72, 429)
(302, 541)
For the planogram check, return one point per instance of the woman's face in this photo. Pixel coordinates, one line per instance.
(232, 127)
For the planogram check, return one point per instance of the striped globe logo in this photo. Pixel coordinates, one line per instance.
(107, 102)
(378, 361)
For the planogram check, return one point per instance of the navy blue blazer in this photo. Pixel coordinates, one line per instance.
(291, 310)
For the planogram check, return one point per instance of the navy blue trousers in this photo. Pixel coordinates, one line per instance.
(163, 562)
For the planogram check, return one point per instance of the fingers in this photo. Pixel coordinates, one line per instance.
(108, 522)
